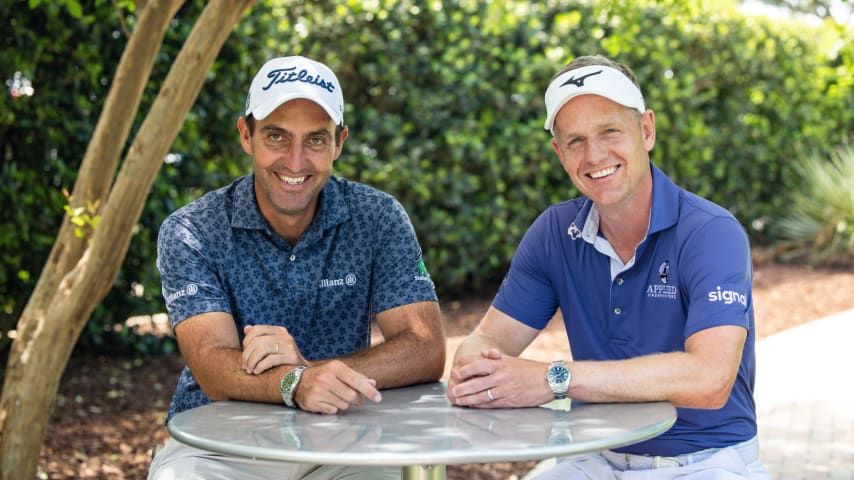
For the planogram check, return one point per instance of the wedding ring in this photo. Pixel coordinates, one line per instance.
(489, 394)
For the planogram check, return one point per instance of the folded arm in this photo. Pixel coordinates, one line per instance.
(413, 352)
(700, 377)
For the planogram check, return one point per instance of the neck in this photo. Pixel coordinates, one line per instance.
(624, 234)
(289, 226)
(624, 228)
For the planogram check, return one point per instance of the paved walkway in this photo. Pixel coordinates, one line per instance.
(805, 400)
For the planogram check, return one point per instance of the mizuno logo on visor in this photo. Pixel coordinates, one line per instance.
(579, 82)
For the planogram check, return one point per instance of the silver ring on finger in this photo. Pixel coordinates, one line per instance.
(489, 395)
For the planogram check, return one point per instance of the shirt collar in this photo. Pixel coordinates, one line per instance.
(665, 209)
(665, 202)
(245, 211)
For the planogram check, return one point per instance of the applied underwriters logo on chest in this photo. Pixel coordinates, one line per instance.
(663, 290)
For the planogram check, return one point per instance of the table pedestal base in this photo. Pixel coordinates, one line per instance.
(424, 472)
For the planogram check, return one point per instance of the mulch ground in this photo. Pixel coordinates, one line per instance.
(110, 411)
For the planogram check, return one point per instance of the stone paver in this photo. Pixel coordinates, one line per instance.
(805, 400)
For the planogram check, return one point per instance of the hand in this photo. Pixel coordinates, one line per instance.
(267, 346)
(494, 380)
(333, 387)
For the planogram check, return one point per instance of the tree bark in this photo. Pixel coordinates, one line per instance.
(79, 272)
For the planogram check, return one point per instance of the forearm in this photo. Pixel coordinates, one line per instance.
(222, 377)
(413, 350)
(402, 360)
(678, 377)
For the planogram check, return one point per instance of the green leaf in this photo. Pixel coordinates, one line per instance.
(74, 8)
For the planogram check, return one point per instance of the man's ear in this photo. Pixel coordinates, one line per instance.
(340, 147)
(245, 135)
(648, 129)
(559, 153)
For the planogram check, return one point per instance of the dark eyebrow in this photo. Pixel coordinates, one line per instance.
(322, 131)
(273, 129)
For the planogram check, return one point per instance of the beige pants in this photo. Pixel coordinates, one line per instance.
(738, 462)
(180, 461)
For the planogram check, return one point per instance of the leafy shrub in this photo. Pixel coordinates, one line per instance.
(445, 106)
(818, 227)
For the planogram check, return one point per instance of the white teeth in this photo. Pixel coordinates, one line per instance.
(292, 180)
(603, 173)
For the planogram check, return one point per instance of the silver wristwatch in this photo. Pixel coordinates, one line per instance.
(289, 385)
(558, 377)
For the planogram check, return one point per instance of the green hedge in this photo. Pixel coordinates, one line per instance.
(446, 108)
(444, 104)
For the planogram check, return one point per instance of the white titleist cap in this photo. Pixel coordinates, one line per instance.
(287, 78)
(599, 80)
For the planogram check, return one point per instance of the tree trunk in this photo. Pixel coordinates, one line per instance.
(78, 274)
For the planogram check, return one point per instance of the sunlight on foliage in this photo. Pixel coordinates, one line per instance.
(85, 219)
(819, 228)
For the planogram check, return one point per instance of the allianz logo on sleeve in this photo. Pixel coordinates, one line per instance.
(190, 290)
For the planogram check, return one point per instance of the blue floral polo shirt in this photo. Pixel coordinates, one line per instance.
(358, 257)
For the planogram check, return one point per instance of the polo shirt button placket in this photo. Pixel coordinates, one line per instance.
(618, 310)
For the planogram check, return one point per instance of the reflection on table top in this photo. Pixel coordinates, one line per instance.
(416, 426)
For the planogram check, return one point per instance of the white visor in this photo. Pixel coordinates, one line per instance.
(599, 80)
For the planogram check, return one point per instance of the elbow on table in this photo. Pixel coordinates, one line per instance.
(434, 362)
(213, 394)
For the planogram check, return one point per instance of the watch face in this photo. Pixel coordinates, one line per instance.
(558, 374)
(288, 383)
(289, 380)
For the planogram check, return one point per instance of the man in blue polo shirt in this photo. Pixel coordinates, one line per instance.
(271, 283)
(654, 284)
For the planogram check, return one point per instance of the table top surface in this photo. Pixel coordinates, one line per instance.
(417, 425)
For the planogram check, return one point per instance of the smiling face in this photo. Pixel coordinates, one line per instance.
(292, 152)
(604, 147)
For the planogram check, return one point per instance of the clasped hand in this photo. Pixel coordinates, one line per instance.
(327, 387)
(268, 346)
(494, 380)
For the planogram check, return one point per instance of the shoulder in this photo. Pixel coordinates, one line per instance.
(211, 211)
(560, 215)
(566, 208)
(700, 213)
(360, 192)
(365, 201)
(708, 235)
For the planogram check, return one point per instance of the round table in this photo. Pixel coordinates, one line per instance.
(417, 429)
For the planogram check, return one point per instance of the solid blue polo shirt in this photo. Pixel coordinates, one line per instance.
(692, 272)
(358, 257)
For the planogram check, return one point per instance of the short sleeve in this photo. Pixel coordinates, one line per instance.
(400, 276)
(189, 279)
(717, 276)
(526, 293)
